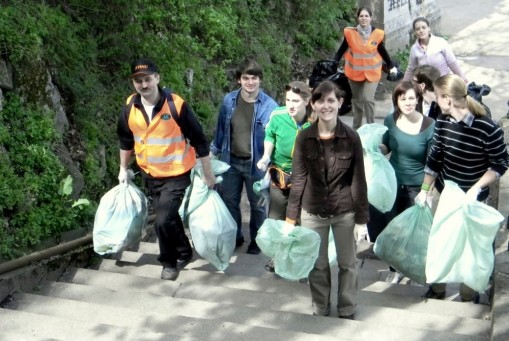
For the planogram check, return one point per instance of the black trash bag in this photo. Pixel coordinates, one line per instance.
(340, 79)
(322, 70)
(477, 92)
(328, 70)
(393, 77)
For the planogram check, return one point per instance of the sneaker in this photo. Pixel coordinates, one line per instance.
(183, 261)
(239, 242)
(169, 273)
(436, 295)
(253, 248)
(322, 312)
(474, 298)
(270, 266)
(394, 277)
(347, 317)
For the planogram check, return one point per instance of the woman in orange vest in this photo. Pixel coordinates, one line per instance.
(364, 50)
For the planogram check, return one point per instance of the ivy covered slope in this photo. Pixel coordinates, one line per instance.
(70, 64)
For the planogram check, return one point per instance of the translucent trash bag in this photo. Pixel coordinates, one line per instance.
(380, 176)
(294, 254)
(460, 248)
(120, 218)
(213, 229)
(404, 242)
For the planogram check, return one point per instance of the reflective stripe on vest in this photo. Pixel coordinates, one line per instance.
(362, 60)
(160, 147)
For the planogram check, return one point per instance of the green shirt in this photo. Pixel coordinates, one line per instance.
(281, 131)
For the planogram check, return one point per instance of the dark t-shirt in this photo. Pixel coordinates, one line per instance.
(241, 128)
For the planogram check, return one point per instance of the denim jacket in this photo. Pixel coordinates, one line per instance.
(263, 107)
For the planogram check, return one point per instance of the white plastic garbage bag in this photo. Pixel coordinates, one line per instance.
(213, 229)
(460, 243)
(120, 218)
(380, 176)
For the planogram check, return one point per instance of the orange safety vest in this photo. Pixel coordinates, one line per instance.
(362, 60)
(161, 149)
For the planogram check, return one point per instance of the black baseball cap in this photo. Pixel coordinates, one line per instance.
(143, 66)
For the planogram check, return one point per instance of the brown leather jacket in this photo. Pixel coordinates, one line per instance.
(345, 189)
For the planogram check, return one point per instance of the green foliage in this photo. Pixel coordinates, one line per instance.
(34, 204)
(402, 58)
(85, 47)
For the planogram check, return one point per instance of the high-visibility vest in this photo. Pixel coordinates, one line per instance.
(362, 60)
(160, 147)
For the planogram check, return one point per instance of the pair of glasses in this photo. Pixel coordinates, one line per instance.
(293, 88)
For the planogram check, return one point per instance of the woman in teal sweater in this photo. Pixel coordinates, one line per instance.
(408, 139)
(280, 133)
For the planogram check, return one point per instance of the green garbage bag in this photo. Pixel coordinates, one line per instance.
(295, 254)
(460, 248)
(404, 242)
(120, 218)
(380, 176)
(213, 229)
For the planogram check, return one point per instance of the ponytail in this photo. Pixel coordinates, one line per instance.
(475, 107)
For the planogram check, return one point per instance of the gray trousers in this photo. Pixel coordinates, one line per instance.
(363, 101)
(342, 227)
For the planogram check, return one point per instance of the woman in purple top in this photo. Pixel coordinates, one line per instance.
(431, 50)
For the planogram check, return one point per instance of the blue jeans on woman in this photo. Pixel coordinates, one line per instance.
(231, 192)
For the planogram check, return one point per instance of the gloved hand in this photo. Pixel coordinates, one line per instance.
(421, 198)
(213, 156)
(123, 175)
(287, 228)
(263, 163)
(362, 232)
(472, 194)
(394, 71)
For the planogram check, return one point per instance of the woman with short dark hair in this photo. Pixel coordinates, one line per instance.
(329, 192)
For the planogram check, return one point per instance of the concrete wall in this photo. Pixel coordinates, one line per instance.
(395, 18)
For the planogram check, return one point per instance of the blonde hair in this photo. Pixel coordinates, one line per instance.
(454, 87)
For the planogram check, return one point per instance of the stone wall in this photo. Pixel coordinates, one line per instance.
(395, 18)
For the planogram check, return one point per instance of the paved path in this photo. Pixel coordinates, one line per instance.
(478, 32)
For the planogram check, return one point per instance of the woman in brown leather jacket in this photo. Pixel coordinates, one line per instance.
(330, 193)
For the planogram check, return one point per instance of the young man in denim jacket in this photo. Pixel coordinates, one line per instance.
(238, 141)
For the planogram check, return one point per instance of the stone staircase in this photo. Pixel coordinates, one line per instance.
(125, 299)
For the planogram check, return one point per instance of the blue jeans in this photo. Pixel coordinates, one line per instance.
(231, 193)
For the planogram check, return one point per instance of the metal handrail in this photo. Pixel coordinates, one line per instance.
(44, 254)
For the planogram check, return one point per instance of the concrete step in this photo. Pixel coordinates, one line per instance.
(156, 315)
(27, 326)
(274, 285)
(372, 320)
(274, 301)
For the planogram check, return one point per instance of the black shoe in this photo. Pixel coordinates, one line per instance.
(436, 295)
(347, 317)
(183, 261)
(474, 298)
(253, 248)
(169, 273)
(239, 242)
(270, 266)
